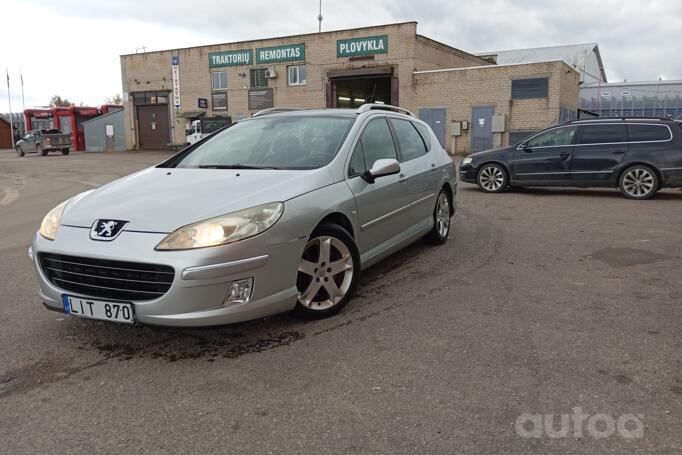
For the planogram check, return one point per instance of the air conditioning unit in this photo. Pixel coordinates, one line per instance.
(270, 73)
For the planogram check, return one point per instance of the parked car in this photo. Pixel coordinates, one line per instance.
(43, 142)
(278, 212)
(204, 127)
(637, 155)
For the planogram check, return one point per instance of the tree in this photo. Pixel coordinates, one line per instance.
(116, 99)
(58, 101)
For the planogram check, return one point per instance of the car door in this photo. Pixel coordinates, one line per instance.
(30, 145)
(545, 158)
(418, 169)
(598, 152)
(380, 204)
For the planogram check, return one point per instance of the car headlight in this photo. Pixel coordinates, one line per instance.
(224, 229)
(467, 160)
(48, 228)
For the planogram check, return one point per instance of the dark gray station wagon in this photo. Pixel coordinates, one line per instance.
(637, 155)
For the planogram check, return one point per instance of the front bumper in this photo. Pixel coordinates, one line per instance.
(202, 276)
(467, 173)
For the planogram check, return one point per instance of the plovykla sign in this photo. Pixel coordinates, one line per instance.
(368, 45)
(286, 53)
(230, 58)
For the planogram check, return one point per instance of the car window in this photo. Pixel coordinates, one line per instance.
(282, 142)
(424, 132)
(645, 133)
(377, 142)
(357, 161)
(602, 134)
(553, 138)
(411, 143)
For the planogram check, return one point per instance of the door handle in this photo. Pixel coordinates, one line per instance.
(564, 154)
(618, 152)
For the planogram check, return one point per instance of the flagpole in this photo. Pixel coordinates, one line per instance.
(9, 100)
(21, 76)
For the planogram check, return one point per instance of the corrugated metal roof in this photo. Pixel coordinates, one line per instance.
(573, 54)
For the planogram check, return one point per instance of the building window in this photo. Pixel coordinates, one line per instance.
(296, 75)
(258, 78)
(219, 101)
(530, 88)
(219, 80)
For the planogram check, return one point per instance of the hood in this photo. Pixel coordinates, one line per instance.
(164, 199)
(491, 153)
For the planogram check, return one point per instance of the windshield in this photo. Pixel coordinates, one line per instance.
(294, 142)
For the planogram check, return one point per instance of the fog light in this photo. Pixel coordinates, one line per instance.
(240, 291)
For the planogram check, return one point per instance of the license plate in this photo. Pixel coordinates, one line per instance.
(98, 309)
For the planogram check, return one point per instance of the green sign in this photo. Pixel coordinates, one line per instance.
(368, 45)
(230, 58)
(288, 53)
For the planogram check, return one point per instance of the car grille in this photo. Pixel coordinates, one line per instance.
(118, 280)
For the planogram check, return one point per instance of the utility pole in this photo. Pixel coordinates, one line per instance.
(319, 19)
(9, 100)
(21, 76)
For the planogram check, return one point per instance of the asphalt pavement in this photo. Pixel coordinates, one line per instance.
(543, 303)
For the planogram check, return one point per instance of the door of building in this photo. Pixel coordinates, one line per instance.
(435, 118)
(481, 128)
(153, 126)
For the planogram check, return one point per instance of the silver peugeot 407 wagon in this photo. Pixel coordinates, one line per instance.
(278, 212)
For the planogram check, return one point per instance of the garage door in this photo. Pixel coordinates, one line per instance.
(153, 124)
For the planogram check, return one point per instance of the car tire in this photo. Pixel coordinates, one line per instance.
(19, 151)
(638, 182)
(492, 178)
(39, 149)
(66, 151)
(442, 213)
(330, 264)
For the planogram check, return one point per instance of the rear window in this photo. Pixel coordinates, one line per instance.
(647, 133)
(602, 134)
(411, 143)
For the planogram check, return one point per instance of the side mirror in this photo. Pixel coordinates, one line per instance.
(526, 148)
(381, 168)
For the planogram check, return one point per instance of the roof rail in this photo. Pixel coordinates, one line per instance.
(382, 107)
(275, 110)
(611, 119)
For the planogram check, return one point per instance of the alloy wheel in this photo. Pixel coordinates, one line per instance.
(443, 215)
(639, 182)
(325, 273)
(492, 178)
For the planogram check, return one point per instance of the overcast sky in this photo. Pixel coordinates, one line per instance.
(72, 47)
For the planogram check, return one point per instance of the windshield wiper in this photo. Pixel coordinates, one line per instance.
(233, 166)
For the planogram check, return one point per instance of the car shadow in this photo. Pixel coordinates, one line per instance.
(123, 343)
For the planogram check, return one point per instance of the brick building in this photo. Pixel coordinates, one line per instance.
(471, 103)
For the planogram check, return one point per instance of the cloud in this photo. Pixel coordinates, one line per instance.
(72, 47)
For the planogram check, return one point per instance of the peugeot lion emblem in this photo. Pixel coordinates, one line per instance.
(106, 230)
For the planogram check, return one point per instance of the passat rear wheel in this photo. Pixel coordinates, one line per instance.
(639, 182)
(328, 272)
(492, 178)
